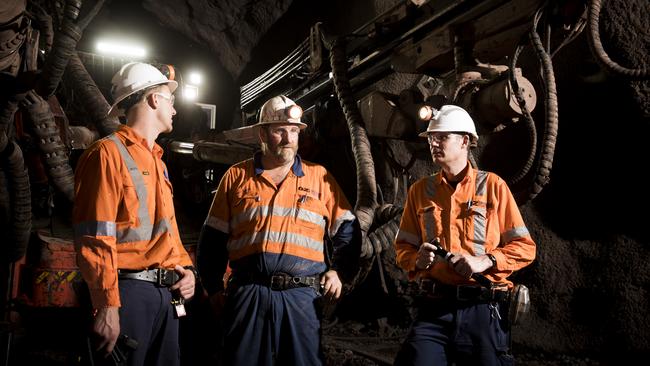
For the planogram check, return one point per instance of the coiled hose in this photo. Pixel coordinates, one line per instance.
(530, 123)
(596, 45)
(90, 97)
(545, 163)
(65, 42)
(49, 141)
(366, 203)
(20, 200)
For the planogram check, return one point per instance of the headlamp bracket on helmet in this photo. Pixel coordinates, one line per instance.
(293, 112)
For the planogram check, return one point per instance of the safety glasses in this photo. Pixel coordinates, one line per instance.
(170, 97)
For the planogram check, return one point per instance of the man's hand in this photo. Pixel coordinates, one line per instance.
(184, 286)
(465, 264)
(425, 257)
(331, 285)
(106, 327)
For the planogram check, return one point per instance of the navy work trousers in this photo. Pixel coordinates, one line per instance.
(450, 333)
(266, 327)
(147, 316)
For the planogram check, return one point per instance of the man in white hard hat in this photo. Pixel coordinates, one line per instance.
(128, 245)
(472, 215)
(269, 220)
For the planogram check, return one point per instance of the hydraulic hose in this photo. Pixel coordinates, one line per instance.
(57, 161)
(366, 184)
(44, 24)
(545, 163)
(65, 43)
(90, 97)
(530, 123)
(20, 200)
(600, 53)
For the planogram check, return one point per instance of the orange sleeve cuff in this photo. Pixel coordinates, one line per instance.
(104, 298)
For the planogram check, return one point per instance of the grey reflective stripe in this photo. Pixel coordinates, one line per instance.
(410, 238)
(346, 216)
(429, 219)
(146, 230)
(161, 227)
(94, 228)
(481, 182)
(143, 232)
(306, 215)
(514, 233)
(480, 217)
(429, 225)
(277, 237)
(480, 220)
(217, 224)
(253, 214)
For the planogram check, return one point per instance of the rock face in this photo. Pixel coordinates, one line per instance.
(590, 284)
(231, 29)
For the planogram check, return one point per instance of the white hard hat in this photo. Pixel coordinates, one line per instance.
(451, 118)
(280, 109)
(132, 78)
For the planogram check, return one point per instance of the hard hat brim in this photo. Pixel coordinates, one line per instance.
(300, 125)
(115, 111)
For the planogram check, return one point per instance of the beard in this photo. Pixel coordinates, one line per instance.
(280, 153)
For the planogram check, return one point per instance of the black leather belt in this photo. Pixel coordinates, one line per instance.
(160, 276)
(278, 281)
(436, 290)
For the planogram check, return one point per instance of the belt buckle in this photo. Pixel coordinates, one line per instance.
(277, 282)
(160, 277)
(166, 277)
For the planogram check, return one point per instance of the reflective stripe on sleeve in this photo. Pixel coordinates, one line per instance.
(346, 216)
(514, 233)
(95, 228)
(217, 224)
(403, 235)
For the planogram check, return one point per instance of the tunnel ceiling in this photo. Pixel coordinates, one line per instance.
(230, 29)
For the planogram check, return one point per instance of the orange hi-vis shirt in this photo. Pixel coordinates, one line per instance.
(290, 220)
(123, 213)
(478, 217)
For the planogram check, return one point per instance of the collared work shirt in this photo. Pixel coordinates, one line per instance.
(283, 226)
(123, 218)
(478, 217)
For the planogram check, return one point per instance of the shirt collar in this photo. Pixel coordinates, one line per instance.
(259, 169)
(133, 138)
(468, 178)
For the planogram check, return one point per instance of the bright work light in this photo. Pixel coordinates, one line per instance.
(121, 49)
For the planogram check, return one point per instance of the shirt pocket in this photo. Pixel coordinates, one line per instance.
(476, 222)
(129, 205)
(429, 219)
(309, 212)
(248, 212)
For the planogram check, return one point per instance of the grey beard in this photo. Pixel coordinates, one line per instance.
(281, 154)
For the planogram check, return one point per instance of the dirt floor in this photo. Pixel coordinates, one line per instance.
(355, 344)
